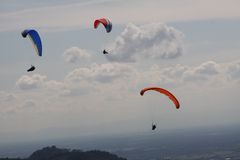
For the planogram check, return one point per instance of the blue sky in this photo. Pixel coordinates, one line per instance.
(188, 47)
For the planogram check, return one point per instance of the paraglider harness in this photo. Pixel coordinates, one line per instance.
(105, 52)
(32, 68)
(154, 126)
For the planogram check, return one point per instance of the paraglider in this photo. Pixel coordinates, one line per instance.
(105, 52)
(36, 41)
(32, 68)
(35, 38)
(163, 91)
(105, 22)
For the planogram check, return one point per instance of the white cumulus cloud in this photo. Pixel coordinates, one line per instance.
(30, 82)
(155, 40)
(209, 68)
(75, 54)
(205, 72)
(102, 73)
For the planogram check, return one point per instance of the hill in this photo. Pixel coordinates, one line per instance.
(54, 153)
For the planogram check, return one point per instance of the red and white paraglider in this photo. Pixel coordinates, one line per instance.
(105, 22)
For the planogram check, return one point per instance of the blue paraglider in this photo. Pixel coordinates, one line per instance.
(35, 38)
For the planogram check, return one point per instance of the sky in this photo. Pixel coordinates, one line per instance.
(190, 48)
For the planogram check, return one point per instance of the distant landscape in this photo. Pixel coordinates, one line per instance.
(219, 143)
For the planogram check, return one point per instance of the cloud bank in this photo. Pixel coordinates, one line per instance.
(116, 75)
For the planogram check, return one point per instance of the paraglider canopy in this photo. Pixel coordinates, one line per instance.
(163, 91)
(35, 38)
(105, 22)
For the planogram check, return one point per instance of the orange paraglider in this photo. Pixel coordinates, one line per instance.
(163, 91)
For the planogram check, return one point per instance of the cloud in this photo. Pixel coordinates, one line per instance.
(97, 78)
(167, 76)
(117, 81)
(202, 72)
(60, 88)
(80, 81)
(155, 40)
(75, 54)
(103, 88)
(113, 77)
(205, 73)
(37, 81)
(116, 76)
(54, 85)
(103, 73)
(30, 82)
(233, 70)
(208, 68)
